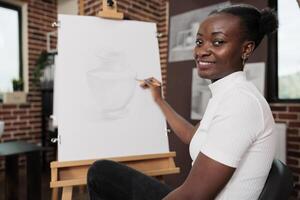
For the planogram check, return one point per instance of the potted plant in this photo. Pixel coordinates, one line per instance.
(18, 84)
(18, 95)
(42, 62)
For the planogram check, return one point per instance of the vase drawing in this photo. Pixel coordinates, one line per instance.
(112, 85)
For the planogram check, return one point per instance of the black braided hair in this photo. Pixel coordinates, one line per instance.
(256, 23)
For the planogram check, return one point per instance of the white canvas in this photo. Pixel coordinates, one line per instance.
(101, 110)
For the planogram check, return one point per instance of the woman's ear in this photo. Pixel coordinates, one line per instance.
(248, 48)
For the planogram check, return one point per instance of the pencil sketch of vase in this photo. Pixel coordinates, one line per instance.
(112, 86)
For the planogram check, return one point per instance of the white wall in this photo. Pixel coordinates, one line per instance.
(281, 142)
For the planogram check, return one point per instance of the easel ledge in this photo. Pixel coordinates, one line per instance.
(74, 173)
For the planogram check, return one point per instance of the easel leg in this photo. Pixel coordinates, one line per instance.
(81, 189)
(67, 193)
(55, 194)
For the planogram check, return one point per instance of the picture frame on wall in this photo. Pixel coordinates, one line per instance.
(255, 73)
(200, 95)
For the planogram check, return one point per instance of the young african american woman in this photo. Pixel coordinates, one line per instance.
(233, 146)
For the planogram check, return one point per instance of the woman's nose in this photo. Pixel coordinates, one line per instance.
(202, 51)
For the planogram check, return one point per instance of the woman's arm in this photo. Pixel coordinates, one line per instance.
(204, 182)
(182, 128)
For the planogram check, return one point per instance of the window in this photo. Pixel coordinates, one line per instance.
(283, 50)
(10, 45)
(288, 50)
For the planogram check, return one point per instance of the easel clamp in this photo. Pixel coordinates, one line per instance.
(110, 10)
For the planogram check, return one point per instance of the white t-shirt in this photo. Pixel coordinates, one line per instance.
(237, 130)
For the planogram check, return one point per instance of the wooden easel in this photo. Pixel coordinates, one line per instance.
(68, 174)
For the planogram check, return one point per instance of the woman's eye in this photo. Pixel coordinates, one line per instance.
(218, 43)
(198, 42)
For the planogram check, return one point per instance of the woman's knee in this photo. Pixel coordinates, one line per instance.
(102, 166)
(99, 169)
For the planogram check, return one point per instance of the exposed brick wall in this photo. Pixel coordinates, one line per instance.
(23, 122)
(152, 11)
(290, 115)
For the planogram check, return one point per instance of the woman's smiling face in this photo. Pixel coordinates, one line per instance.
(219, 46)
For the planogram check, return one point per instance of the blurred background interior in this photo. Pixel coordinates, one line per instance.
(27, 64)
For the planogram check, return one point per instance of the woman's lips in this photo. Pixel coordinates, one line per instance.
(205, 64)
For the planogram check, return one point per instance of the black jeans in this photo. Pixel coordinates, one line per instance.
(108, 180)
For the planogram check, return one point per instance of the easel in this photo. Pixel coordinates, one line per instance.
(68, 174)
(73, 173)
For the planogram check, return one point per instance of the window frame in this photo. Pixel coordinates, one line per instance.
(272, 70)
(19, 11)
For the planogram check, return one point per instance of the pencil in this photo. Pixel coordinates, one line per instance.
(154, 82)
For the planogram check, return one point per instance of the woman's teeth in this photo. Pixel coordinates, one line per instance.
(205, 63)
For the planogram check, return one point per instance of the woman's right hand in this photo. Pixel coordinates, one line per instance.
(182, 128)
(155, 86)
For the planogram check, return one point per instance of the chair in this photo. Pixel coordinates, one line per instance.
(279, 184)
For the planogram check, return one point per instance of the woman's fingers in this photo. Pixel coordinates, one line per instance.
(144, 85)
(149, 82)
(154, 85)
(153, 82)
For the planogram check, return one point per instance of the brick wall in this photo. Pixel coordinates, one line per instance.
(290, 115)
(152, 11)
(23, 122)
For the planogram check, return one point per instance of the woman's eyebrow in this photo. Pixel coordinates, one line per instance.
(218, 32)
(213, 33)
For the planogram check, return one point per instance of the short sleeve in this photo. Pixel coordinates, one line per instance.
(233, 129)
